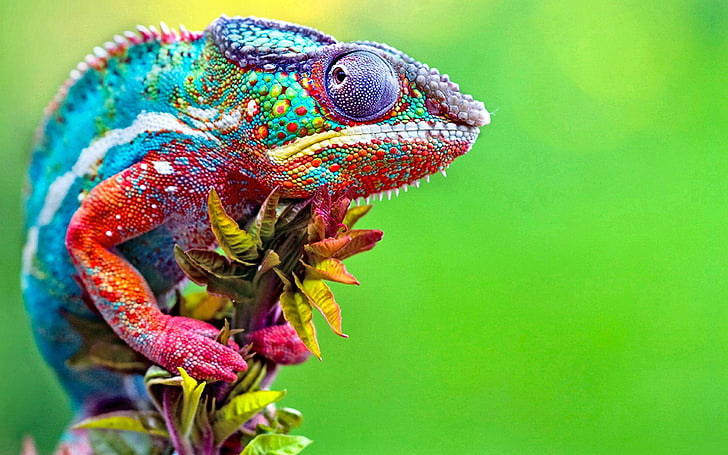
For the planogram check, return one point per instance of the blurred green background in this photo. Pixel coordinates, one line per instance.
(563, 291)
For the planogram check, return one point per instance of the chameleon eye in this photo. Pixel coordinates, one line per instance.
(339, 75)
(361, 85)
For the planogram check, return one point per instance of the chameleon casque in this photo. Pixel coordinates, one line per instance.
(144, 128)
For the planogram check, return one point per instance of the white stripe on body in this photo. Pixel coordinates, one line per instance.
(145, 122)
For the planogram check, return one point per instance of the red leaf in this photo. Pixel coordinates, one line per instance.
(361, 240)
(326, 248)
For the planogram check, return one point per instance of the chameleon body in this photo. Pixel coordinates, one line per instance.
(141, 132)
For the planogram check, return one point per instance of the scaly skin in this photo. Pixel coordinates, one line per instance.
(145, 128)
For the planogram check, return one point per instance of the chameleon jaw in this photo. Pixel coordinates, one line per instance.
(309, 145)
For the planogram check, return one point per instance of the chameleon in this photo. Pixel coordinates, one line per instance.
(146, 126)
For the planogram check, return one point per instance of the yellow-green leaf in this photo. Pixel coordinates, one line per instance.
(203, 306)
(190, 267)
(330, 269)
(270, 260)
(225, 333)
(263, 226)
(214, 264)
(276, 444)
(251, 379)
(118, 357)
(288, 418)
(354, 214)
(235, 242)
(297, 311)
(159, 376)
(149, 422)
(191, 393)
(320, 296)
(116, 443)
(240, 409)
(270, 215)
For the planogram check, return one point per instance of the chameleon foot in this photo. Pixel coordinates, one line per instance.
(190, 344)
(280, 344)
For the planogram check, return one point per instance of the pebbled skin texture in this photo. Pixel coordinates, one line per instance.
(146, 126)
(280, 344)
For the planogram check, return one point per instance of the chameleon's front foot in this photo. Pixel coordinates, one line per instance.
(191, 344)
(280, 344)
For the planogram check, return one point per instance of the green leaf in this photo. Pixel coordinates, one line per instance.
(263, 226)
(251, 379)
(354, 214)
(102, 347)
(235, 242)
(270, 260)
(215, 264)
(240, 409)
(320, 296)
(119, 443)
(330, 269)
(203, 306)
(118, 357)
(297, 311)
(191, 267)
(149, 422)
(286, 281)
(288, 418)
(276, 444)
(234, 288)
(156, 381)
(221, 276)
(225, 333)
(159, 376)
(191, 393)
(292, 216)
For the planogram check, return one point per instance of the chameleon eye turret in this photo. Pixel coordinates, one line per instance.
(361, 85)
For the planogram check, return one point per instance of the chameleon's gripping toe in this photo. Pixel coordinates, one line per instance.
(191, 344)
(280, 344)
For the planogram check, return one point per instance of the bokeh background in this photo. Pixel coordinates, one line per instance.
(562, 291)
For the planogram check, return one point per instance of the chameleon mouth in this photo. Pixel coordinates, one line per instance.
(359, 134)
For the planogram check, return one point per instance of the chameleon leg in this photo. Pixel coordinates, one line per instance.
(52, 297)
(116, 210)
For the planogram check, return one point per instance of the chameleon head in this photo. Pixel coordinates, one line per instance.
(358, 117)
